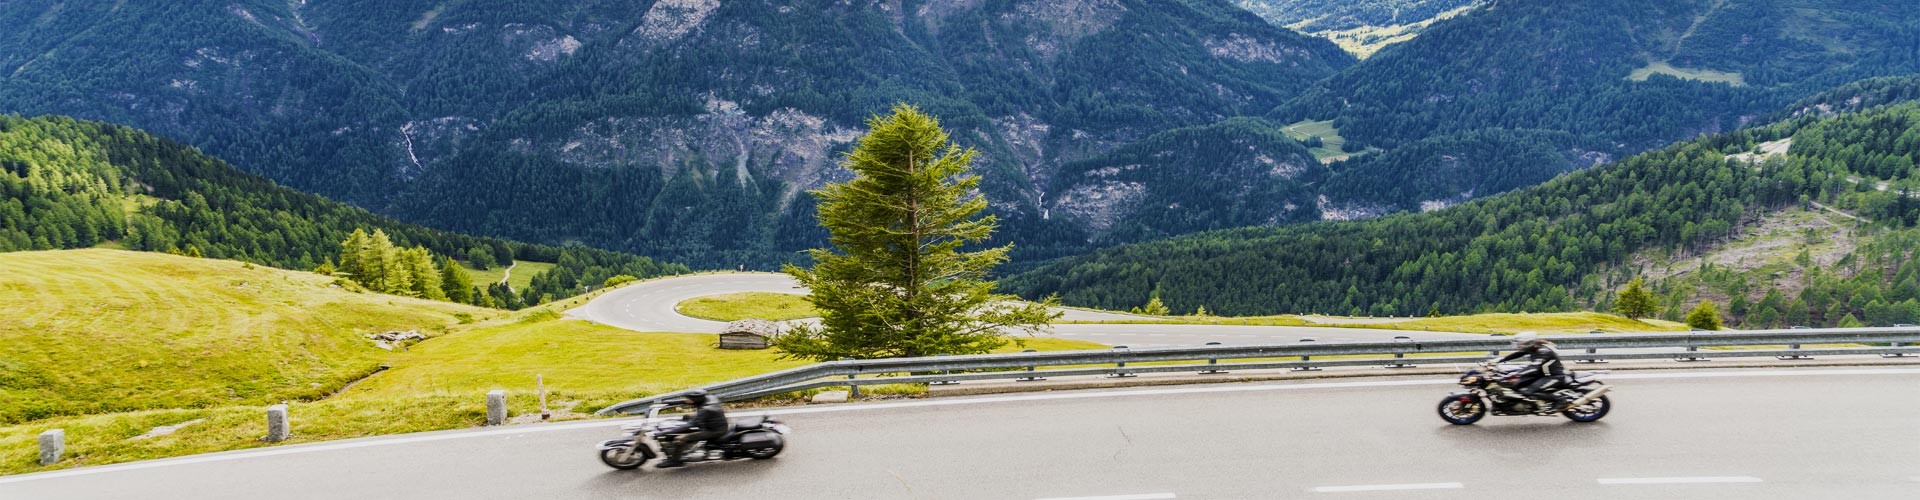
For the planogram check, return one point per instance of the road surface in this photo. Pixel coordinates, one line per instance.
(649, 307)
(1731, 434)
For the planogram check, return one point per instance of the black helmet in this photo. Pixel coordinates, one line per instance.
(696, 397)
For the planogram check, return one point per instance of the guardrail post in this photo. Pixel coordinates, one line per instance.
(1121, 367)
(1212, 362)
(1692, 353)
(1029, 378)
(277, 430)
(496, 407)
(1592, 351)
(53, 442)
(1795, 347)
(1897, 354)
(853, 389)
(1400, 357)
(943, 372)
(1306, 359)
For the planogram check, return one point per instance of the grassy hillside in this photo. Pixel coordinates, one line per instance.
(111, 344)
(523, 273)
(88, 331)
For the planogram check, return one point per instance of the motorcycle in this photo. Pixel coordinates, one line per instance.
(756, 438)
(1491, 388)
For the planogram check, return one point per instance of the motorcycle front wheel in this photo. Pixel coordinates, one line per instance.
(1591, 411)
(623, 459)
(1458, 412)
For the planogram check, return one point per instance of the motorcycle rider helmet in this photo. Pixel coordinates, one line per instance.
(696, 397)
(1524, 340)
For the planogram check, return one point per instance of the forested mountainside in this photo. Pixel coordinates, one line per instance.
(679, 128)
(1568, 243)
(67, 183)
(1360, 26)
(1438, 172)
(1635, 74)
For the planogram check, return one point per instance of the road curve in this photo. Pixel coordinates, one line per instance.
(1734, 434)
(649, 307)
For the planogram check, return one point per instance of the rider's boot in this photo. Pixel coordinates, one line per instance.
(672, 458)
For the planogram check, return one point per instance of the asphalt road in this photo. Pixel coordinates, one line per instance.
(649, 307)
(1772, 434)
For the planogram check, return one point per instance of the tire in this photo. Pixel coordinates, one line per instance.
(1458, 412)
(779, 443)
(613, 459)
(1595, 410)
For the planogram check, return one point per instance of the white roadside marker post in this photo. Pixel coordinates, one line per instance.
(53, 443)
(496, 407)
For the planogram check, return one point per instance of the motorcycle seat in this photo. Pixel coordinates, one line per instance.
(748, 423)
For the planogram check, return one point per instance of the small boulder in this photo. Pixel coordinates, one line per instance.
(749, 334)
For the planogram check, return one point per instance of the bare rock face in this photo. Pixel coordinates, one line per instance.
(389, 340)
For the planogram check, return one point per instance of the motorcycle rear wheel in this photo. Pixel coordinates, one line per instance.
(623, 460)
(779, 443)
(1458, 412)
(1591, 411)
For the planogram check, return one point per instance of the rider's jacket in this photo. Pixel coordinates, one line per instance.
(710, 417)
(1541, 360)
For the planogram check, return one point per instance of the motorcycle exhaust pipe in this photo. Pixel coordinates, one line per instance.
(1602, 391)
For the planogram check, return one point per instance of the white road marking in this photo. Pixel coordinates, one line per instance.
(1389, 487)
(1679, 480)
(568, 426)
(1142, 496)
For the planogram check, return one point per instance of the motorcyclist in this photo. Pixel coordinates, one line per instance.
(709, 421)
(1543, 373)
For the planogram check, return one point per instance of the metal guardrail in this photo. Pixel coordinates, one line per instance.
(855, 373)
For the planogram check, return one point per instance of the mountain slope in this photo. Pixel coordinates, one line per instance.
(1635, 74)
(1558, 246)
(66, 183)
(1241, 172)
(1360, 26)
(683, 128)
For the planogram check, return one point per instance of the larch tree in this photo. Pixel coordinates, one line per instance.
(901, 279)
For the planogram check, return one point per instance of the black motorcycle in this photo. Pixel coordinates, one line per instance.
(1491, 388)
(757, 438)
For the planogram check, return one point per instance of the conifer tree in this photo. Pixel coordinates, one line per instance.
(1704, 316)
(1634, 301)
(456, 282)
(897, 281)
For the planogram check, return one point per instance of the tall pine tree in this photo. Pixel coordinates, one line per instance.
(897, 282)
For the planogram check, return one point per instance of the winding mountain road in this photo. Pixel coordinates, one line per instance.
(649, 307)
(1731, 434)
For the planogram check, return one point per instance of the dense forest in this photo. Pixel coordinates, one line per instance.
(76, 184)
(1559, 246)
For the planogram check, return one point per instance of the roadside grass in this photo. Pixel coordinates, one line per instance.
(95, 330)
(739, 306)
(1545, 323)
(1282, 320)
(523, 272)
(1493, 323)
(1699, 75)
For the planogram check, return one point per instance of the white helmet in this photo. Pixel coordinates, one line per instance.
(1524, 340)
